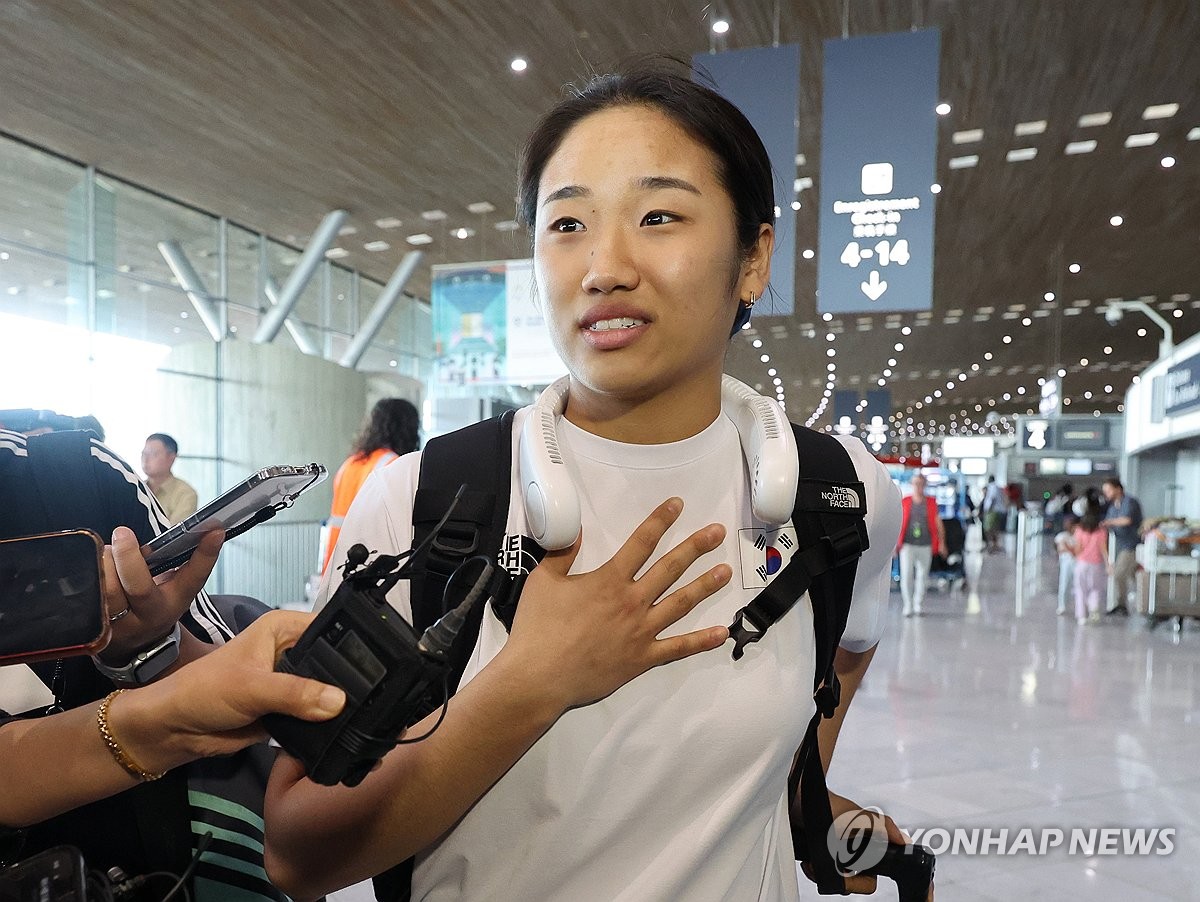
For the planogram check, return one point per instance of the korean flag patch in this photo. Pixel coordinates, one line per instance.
(764, 552)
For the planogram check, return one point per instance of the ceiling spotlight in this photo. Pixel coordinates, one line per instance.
(720, 26)
(1116, 221)
(1049, 296)
(1167, 162)
(795, 205)
(808, 253)
(1074, 267)
(464, 233)
(935, 188)
(519, 64)
(942, 109)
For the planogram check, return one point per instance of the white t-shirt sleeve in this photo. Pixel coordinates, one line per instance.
(873, 581)
(380, 518)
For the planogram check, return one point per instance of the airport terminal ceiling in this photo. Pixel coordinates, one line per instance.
(275, 112)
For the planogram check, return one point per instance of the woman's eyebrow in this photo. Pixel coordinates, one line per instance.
(659, 182)
(566, 193)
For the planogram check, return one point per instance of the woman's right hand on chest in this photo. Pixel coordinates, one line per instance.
(582, 636)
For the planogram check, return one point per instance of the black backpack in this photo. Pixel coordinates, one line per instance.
(829, 519)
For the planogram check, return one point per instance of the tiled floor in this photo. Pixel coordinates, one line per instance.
(986, 720)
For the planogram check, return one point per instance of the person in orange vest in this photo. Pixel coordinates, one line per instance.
(392, 429)
(921, 537)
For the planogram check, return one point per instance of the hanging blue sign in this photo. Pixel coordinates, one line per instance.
(764, 83)
(878, 163)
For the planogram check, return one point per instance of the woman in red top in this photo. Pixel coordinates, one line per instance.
(921, 537)
(392, 429)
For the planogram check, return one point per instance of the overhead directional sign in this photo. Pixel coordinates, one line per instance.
(878, 166)
(740, 76)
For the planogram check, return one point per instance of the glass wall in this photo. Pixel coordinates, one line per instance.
(94, 320)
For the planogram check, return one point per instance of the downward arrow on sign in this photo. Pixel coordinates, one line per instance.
(874, 287)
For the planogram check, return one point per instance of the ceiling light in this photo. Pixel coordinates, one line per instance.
(480, 207)
(891, 361)
(1007, 339)
(899, 346)
(433, 215)
(1021, 154)
(826, 316)
(391, 363)
(419, 239)
(772, 372)
(519, 65)
(964, 162)
(808, 253)
(1049, 296)
(757, 343)
(720, 26)
(1027, 322)
(1107, 350)
(1090, 120)
(3, 255)
(1079, 147)
(1167, 162)
(463, 234)
(1141, 333)
(1116, 221)
(345, 230)
(764, 358)
(390, 222)
(376, 246)
(906, 330)
(935, 188)
(1144, 139)
(795, 205)
(1034, 127)
(1074, 267)
(942, 109)
(1177, 313)
(1160, 111)
(1083, 361)
(336, 253)
(1194, 134)
(967, 136)
(507, 225)
(831, 352)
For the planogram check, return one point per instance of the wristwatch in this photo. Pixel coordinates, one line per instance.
(147, 664)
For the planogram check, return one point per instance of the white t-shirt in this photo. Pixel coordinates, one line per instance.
(673, 787)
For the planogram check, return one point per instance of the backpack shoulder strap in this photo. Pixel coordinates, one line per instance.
(830, 511)
(480, 456)
(60, 464)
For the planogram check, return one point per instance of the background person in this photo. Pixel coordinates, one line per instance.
(178, 499)
(650, 202)
(1090, 545)
(922, 535)
(1064, 543)
(393, 428)
(1123, 516)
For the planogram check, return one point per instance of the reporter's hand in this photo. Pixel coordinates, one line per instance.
(213, 705)
(154, 604)
(588, 634)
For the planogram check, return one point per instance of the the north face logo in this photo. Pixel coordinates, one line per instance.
(519, 555)
(840, 496)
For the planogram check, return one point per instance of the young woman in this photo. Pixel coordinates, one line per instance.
(650, 203)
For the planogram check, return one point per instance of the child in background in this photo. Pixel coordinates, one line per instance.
(1064, 544)
(1090, 544)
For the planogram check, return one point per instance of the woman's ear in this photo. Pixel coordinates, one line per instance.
(756, 270)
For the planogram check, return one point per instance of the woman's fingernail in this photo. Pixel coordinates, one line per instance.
(331, 700)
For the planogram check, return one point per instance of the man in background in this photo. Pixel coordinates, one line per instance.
(1123, 519)
(178, 499)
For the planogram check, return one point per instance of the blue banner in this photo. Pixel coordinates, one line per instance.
(878, 163)
(764, 83)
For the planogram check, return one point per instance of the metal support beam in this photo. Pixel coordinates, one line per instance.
(383, 306)
(193, 286)
(321, 241)
(300, 335)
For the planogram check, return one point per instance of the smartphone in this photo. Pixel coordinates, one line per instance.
(251, 501)
(56, 875)
(52, 601)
